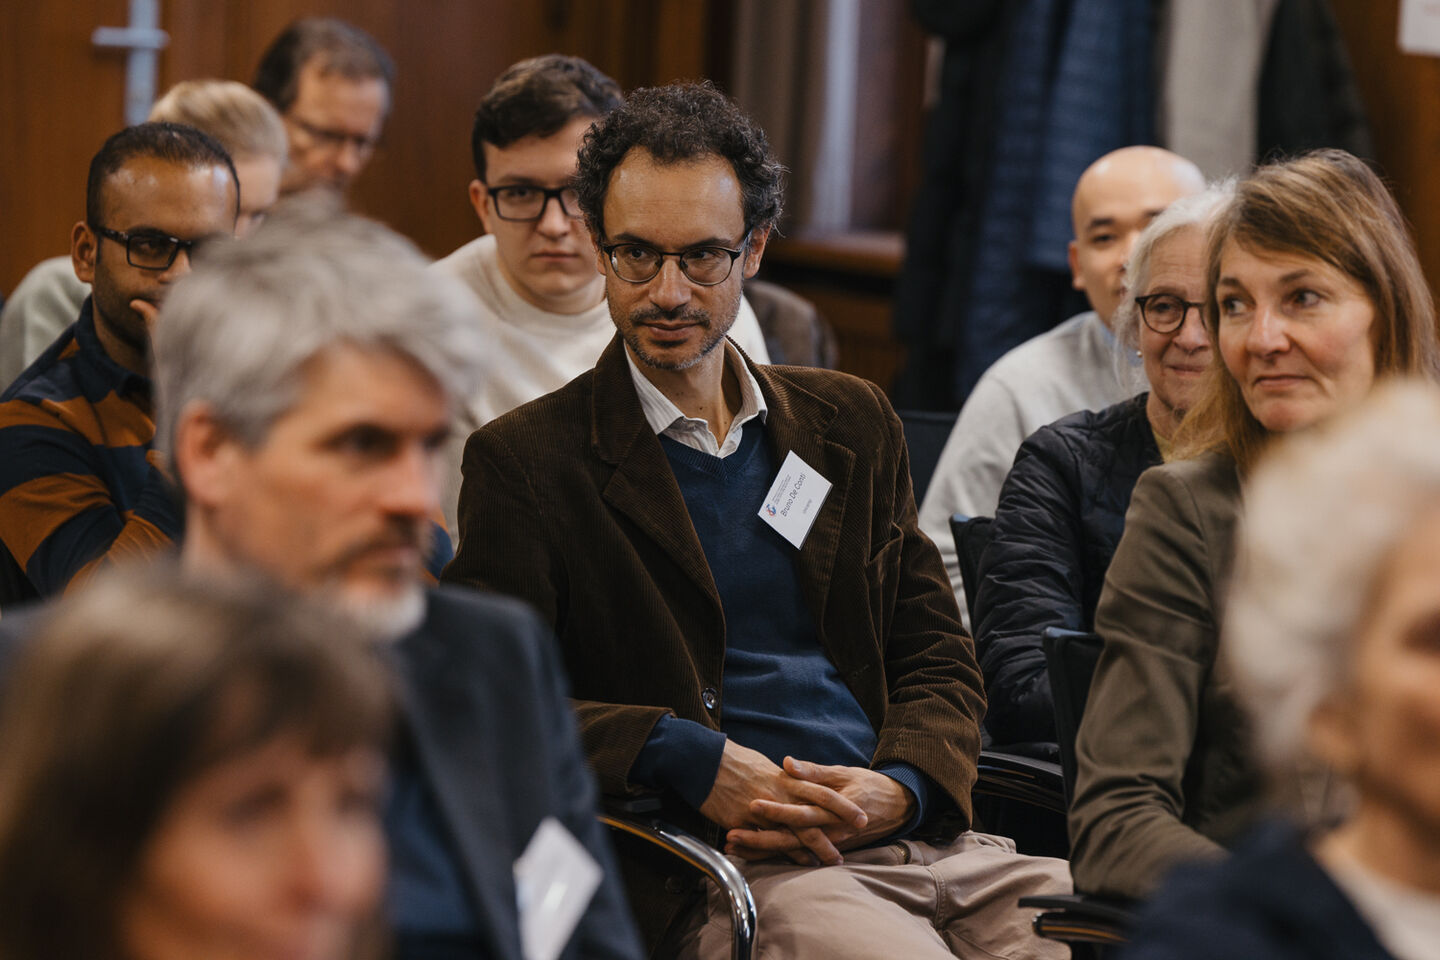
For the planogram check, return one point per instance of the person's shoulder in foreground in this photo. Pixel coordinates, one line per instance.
(1270, 901)
(518, 717)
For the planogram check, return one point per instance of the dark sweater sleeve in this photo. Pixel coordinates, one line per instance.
(1030, 579)
(680, 755)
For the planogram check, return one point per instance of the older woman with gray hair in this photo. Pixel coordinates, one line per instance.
(1062, 508)
(1332, 636)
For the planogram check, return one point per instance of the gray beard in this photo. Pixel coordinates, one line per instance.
(386, 620)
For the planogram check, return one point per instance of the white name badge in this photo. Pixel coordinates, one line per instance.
(555, 878)
(794, 499)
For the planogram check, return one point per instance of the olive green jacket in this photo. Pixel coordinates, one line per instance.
(1165, 772)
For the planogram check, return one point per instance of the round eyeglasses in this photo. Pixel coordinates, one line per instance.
(703, 265)
(1165, 312)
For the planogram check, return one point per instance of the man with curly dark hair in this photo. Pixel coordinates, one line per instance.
(542, 302)
(754, 626)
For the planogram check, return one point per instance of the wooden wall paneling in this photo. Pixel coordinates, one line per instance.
(851, 280)
(889, 115)
(447, 55)
(59, 99)
(1402, 96)
(681, 45)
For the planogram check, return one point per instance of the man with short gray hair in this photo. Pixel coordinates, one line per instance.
(308, 380)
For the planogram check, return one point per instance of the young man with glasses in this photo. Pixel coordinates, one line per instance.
(78, 486)
(542, 300)
(331, 83)
(753, 624)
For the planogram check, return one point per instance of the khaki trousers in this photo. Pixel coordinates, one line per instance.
(905, 899)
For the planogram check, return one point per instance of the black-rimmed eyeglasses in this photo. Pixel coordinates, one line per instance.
(153, 250)
(522, 202)
(641, 263)
(1165, 312)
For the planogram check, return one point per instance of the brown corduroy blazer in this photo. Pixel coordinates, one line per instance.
(569, 502)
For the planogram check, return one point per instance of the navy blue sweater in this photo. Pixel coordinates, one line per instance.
(781, 695)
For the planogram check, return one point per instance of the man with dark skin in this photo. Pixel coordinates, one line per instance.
(78, 486)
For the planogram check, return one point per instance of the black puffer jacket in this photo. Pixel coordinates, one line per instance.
(1061, 513)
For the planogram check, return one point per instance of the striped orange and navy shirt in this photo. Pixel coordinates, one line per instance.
(78, 482)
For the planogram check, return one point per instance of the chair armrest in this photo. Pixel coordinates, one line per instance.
(713, 864)
(1082, 918)
(1015, 777)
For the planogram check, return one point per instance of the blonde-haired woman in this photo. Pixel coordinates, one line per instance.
(1314, 291)
(1333, 636)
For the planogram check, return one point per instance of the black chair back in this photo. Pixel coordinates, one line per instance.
(1070, 657)
(925, 434)
(972, 536)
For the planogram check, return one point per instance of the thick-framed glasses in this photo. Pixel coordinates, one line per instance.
(335, 140)
(522, 202)
(641, 263)
(1165, 312)
(153, 250)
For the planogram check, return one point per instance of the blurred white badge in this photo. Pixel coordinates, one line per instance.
(1420, 26)
(555, 878)
(794, 499)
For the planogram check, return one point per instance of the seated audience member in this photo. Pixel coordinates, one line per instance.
(246, 126)
(1063, 505)
(1070, 368)
(542, 299)
(49, 297)
(1330, 635)
(78, 483)
(308, 379)
(190, 770)
(802, 693)
(1313, 291)
(331, 82)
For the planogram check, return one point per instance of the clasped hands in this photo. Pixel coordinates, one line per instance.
(810, 812)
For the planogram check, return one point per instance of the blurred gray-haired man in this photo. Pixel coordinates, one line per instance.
(308, 381)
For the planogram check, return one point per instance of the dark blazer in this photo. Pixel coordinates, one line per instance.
(1271, 901)
(485, 702)
(569, 502)
(1059, 519)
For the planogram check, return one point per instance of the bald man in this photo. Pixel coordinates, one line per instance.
(1075, 366)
